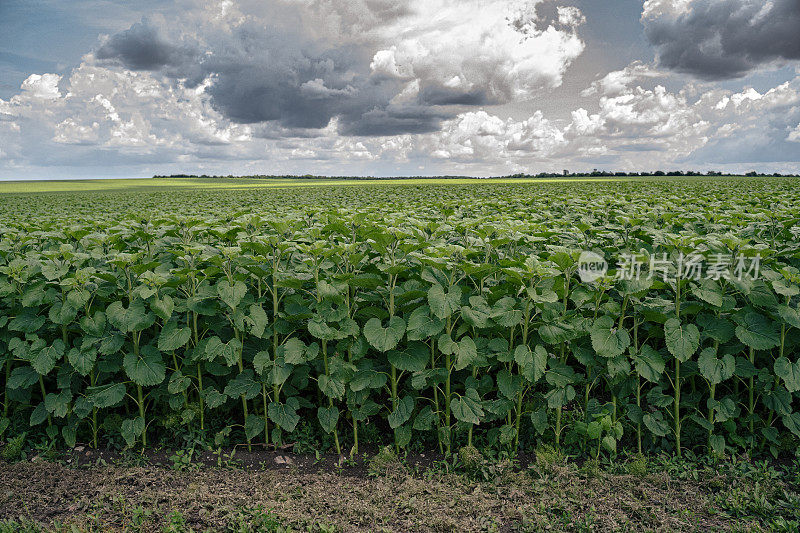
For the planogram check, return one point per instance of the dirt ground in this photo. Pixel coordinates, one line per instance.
(264, 491)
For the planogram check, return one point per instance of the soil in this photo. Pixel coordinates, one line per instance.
(97, 490)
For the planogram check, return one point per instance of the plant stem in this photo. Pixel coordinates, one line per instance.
(195, 335)
(266, 416)
(435, 397)
(140, 401)
(92, 381)
(751, 403)
(448, 365)
(677, 405)
(244, 399)
(9, 362)
(44, 395)
(330, 400)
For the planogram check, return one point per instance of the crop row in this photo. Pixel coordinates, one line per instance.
(442, 330)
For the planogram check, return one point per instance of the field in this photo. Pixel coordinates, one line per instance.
(572, 350)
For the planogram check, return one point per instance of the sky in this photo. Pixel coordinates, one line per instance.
(112, 88)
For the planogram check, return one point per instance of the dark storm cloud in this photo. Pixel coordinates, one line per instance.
(717, 39)
(142, 48)
(437, 95)
(275, 75)
(391, 121)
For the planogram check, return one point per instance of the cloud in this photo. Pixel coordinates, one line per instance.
(718, 39)
(141, 47)
(377, 67)
(480, 136)
(379, 87)
(44, 86)
(110, 116)
(616, 82)
(794, 135)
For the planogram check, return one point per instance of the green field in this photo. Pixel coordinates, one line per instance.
(463, 318)
(154, 184)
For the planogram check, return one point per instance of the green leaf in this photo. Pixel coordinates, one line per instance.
(104, 396)
(178, 383)
(539, 420)
(758, 332)
(609, 443)
(716, 328)
(147, 370)
(761, 295)
(725, 409)
(478, 313)
(790, 315)
(134, 318)
(94, 325)
(163, 307)
(45, 359)
(280, 372)
(231, 294)
(262, 362)
(779, 400)
(331, 387)
(789, 372)
(285, 416)
(555, 333)
(464, 351)
(228, 351)
(655, 423)
(294, 351)
(173, 337)
(132, 429)
(243, 385)
(257, 321)
(682, 340)
(444, 304)
(468, 408)
(709, 291)
(422, 422)
(560, 374)
(785, 288)
(560, 396)
(504, 314)
(401, 415)
(402, 436)
(38, 415)
(421, 325)
(213, 398)
(328, 418)
(792, 423)
(22, 377)
(62, 313)
(414, 358)
(58, 404)
(714, 369)
(608, 340)
(532, 363)
(367, 379)
(509, 385)
(321, 330)
(83, 359)
(649, 364)
(253, 426)
(384, 339)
